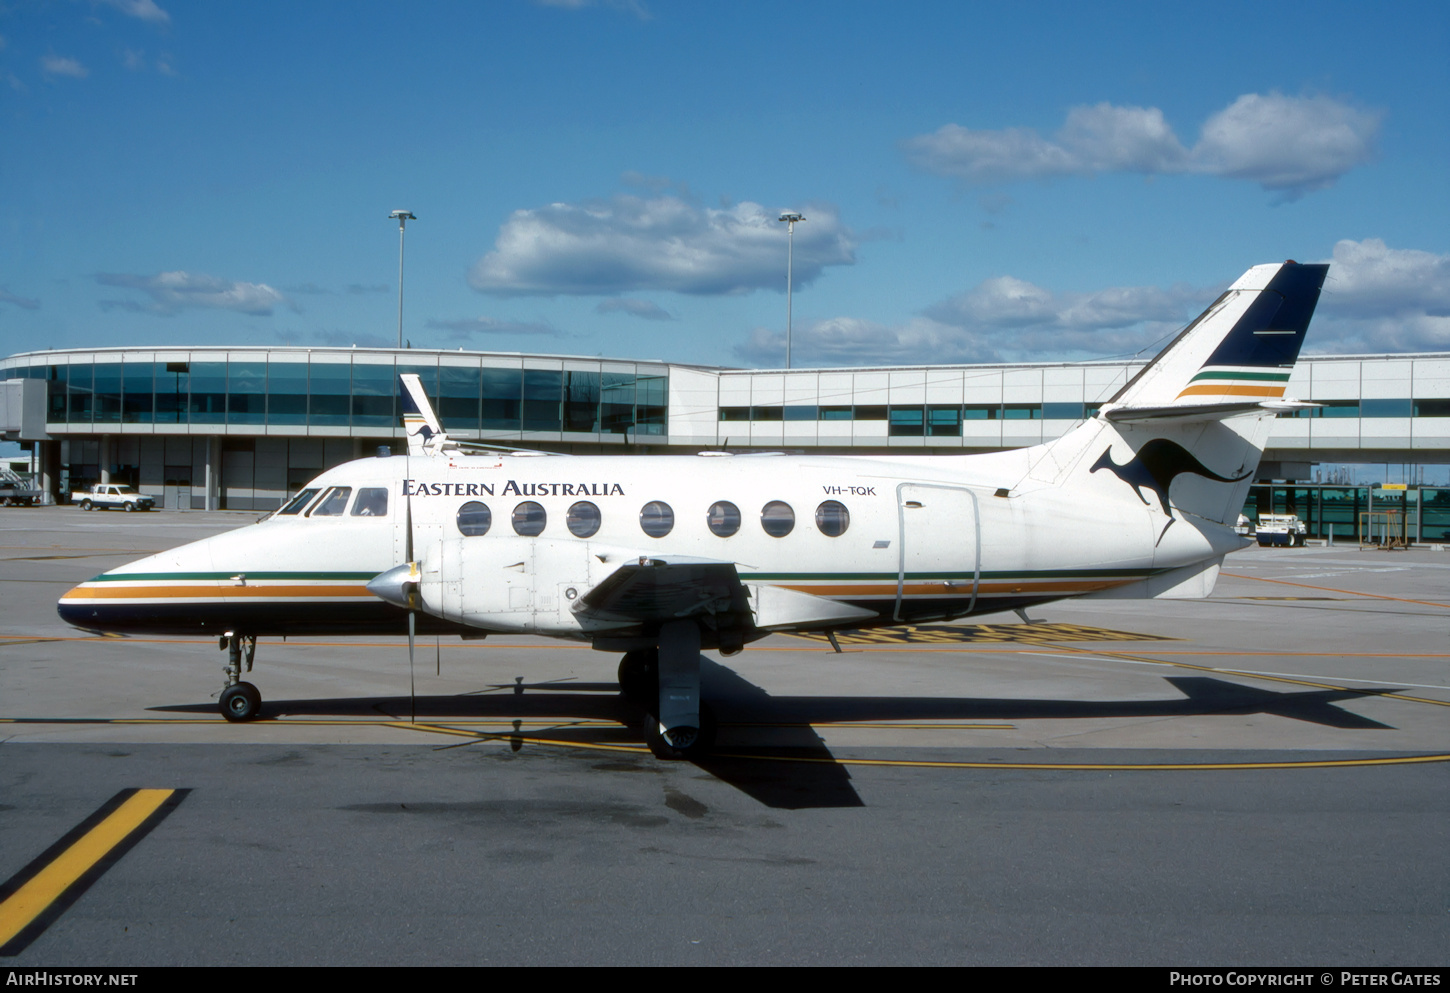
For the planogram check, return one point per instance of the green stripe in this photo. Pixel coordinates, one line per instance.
(1274, 377)
(227, 576)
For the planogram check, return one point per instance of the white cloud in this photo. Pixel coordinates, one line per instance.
(1288, 145)
(1382, 299)
(172, 292)
(144, 10)
(646, 309)
(56, 65)
(631, 243)
(466, 327)
(847, 341)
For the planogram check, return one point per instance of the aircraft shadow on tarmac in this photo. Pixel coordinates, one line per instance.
(759, 730)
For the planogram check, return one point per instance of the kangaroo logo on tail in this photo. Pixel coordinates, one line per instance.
(1156, 465)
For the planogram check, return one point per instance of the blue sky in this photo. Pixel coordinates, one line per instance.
(1013, 181)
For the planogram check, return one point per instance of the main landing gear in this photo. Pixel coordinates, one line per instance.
(239, 701)
(666, 682)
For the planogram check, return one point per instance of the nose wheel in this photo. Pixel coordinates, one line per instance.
(239, 701)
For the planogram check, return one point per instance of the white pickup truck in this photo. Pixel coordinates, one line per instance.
(106, 496)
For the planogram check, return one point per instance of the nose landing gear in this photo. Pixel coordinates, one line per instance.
(239, 701)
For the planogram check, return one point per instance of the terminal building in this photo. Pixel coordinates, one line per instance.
(241, 428)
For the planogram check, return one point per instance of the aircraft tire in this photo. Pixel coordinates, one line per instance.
(240, 702)
(639, 673)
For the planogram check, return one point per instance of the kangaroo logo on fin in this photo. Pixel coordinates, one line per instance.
(422, 430)
(1156, 465)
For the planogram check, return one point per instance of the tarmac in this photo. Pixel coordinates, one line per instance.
(1255, 778)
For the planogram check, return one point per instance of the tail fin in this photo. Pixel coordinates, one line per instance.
(1242, 348)
(425, 433)
(1200, 413)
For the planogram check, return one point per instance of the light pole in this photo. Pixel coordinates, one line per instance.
(403, 216)
(789, 217)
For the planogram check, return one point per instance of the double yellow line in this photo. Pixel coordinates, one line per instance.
(39, 893)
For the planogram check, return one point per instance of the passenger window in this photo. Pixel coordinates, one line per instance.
(334, 502)
(777, 518)
(474, 519)
(832, 518)
(723, 518)
(656, 519)
(372, 501)
(583, 519)
(295, 505)
(529, 519)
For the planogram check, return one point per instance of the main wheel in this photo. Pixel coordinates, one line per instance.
(240, 702)
(639, 673)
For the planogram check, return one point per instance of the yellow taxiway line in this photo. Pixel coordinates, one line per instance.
(57, 878)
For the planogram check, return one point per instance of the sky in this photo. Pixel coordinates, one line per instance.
(980, 182)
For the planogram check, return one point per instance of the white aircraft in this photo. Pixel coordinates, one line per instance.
(659, 557)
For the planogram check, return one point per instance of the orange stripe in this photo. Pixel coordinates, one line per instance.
(1234, 391)
(209, 592)
(964, 590)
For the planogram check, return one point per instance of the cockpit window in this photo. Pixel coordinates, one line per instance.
(372, 501)
(295, 505)
(333, 502)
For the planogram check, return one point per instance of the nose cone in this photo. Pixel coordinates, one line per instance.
(399, 585)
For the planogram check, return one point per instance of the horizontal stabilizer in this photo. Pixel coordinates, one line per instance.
(1203, 411)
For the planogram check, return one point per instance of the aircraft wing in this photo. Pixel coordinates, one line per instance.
(665, 590)
(660, 590)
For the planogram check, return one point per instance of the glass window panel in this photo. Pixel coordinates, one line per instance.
(108, 393)
(651, 401)
(1062, 411)
(208, 403)
(767, 414)
(374, 390)
(474, 519)
(832, 518)
(543, 390)
(459, 389)
(503, 399)
(333, 502)
(1338, 408)
(906, 422)
(583, 519)
(173, 383)
(870, 413)
(1398, 407)
(981, 411)
(329, 393)
(777, 518)
(616, 403)
(656, 519)
(1432, 408)
(80, 392)
(835, 413)
(136, 383)
(295, 505)
(246, 392)
(55, 394)
(1022, 411)
(734, 413)
(723, 518)
(286, 392)
(372, 501)
(529, 519)
(800, 412)
(944, 422)
(581, 401)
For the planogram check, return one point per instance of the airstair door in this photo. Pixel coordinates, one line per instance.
(939, 559)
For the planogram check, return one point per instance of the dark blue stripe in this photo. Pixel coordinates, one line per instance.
(1286, 304)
